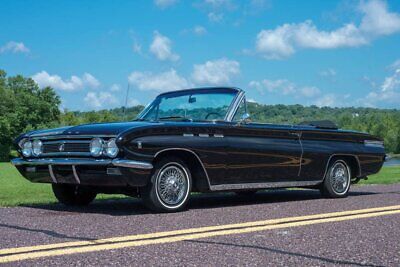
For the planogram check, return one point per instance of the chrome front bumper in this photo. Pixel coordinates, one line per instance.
(87, 162)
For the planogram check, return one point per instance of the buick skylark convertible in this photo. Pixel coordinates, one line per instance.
(195, 140)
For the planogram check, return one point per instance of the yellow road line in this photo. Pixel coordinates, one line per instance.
(191, 230)
(9, 255)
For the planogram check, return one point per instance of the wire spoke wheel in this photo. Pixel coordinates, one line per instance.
(339, 177)
(172, 185)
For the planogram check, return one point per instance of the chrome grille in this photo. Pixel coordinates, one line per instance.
(66, 147)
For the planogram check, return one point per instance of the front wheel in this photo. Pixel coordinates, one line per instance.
(73, 195)
(337, 180)
(170, 186)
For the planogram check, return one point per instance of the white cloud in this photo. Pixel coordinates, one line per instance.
(284, 87)
(392, 82)
(395, 65)
(256, 6)
(14, 47)
(100, 100)
(285, 40)
(377, 19)
(161, 47)
(215, 72)
(328, 100)
(115, 88)
(137, 48)
(199, 30)
(133, 102)
(215, 17)
(215, 9)
(74, 83)
(309, 91)
(220, 4)
(374, 98)
(327, 73)
(160, 82)
(165, 3)
(281, 86)
(90, 81)
(388, 92)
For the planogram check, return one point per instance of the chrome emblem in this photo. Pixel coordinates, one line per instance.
(61, 147)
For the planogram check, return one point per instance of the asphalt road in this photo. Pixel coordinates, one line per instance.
(284, 227)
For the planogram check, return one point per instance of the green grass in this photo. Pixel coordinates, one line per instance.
(388, 175)
(15, 190)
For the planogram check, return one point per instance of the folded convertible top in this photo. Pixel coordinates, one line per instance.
(323, 124)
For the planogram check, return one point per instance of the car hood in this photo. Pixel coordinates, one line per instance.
(106, 129)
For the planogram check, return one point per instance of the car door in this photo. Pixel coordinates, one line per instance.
(262, 153)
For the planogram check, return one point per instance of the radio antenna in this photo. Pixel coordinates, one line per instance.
(126, 102)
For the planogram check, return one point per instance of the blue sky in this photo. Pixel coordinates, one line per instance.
(327, 53)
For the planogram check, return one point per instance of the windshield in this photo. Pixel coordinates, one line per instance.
(190, 105)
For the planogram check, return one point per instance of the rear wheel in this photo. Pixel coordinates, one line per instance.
(337, 180)
(73, 195)
(170, 186)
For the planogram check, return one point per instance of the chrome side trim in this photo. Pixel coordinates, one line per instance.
(219, 135)
(338, 155)
(75, 174)
(188, 135)
(374, 143)
(203, 135)
(190, 151)
(224, 187)
(53, 177)
(132, 164)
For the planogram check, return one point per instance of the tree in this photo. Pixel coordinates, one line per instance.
(23, 107)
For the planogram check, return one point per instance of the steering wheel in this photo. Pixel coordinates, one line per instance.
(212, 113)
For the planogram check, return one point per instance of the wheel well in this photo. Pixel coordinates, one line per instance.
(199, 176)
(351, 160)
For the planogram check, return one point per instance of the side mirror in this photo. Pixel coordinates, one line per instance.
(245, 118)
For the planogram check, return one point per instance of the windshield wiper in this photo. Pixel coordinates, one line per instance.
(174, 117)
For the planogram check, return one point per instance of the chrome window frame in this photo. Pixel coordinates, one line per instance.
(228, 116)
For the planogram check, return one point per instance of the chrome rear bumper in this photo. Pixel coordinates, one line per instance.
(87, 162)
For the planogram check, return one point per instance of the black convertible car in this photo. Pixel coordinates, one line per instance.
(195, 140)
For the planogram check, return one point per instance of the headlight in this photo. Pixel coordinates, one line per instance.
(96, 147)
(26, 148)
(37, 147)
(111, 148)
(21, 143)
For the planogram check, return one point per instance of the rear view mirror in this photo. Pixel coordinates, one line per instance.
(192, 99)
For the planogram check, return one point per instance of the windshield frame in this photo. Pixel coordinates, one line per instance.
(234, 105)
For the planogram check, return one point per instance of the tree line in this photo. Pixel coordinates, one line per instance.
(24, 107)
